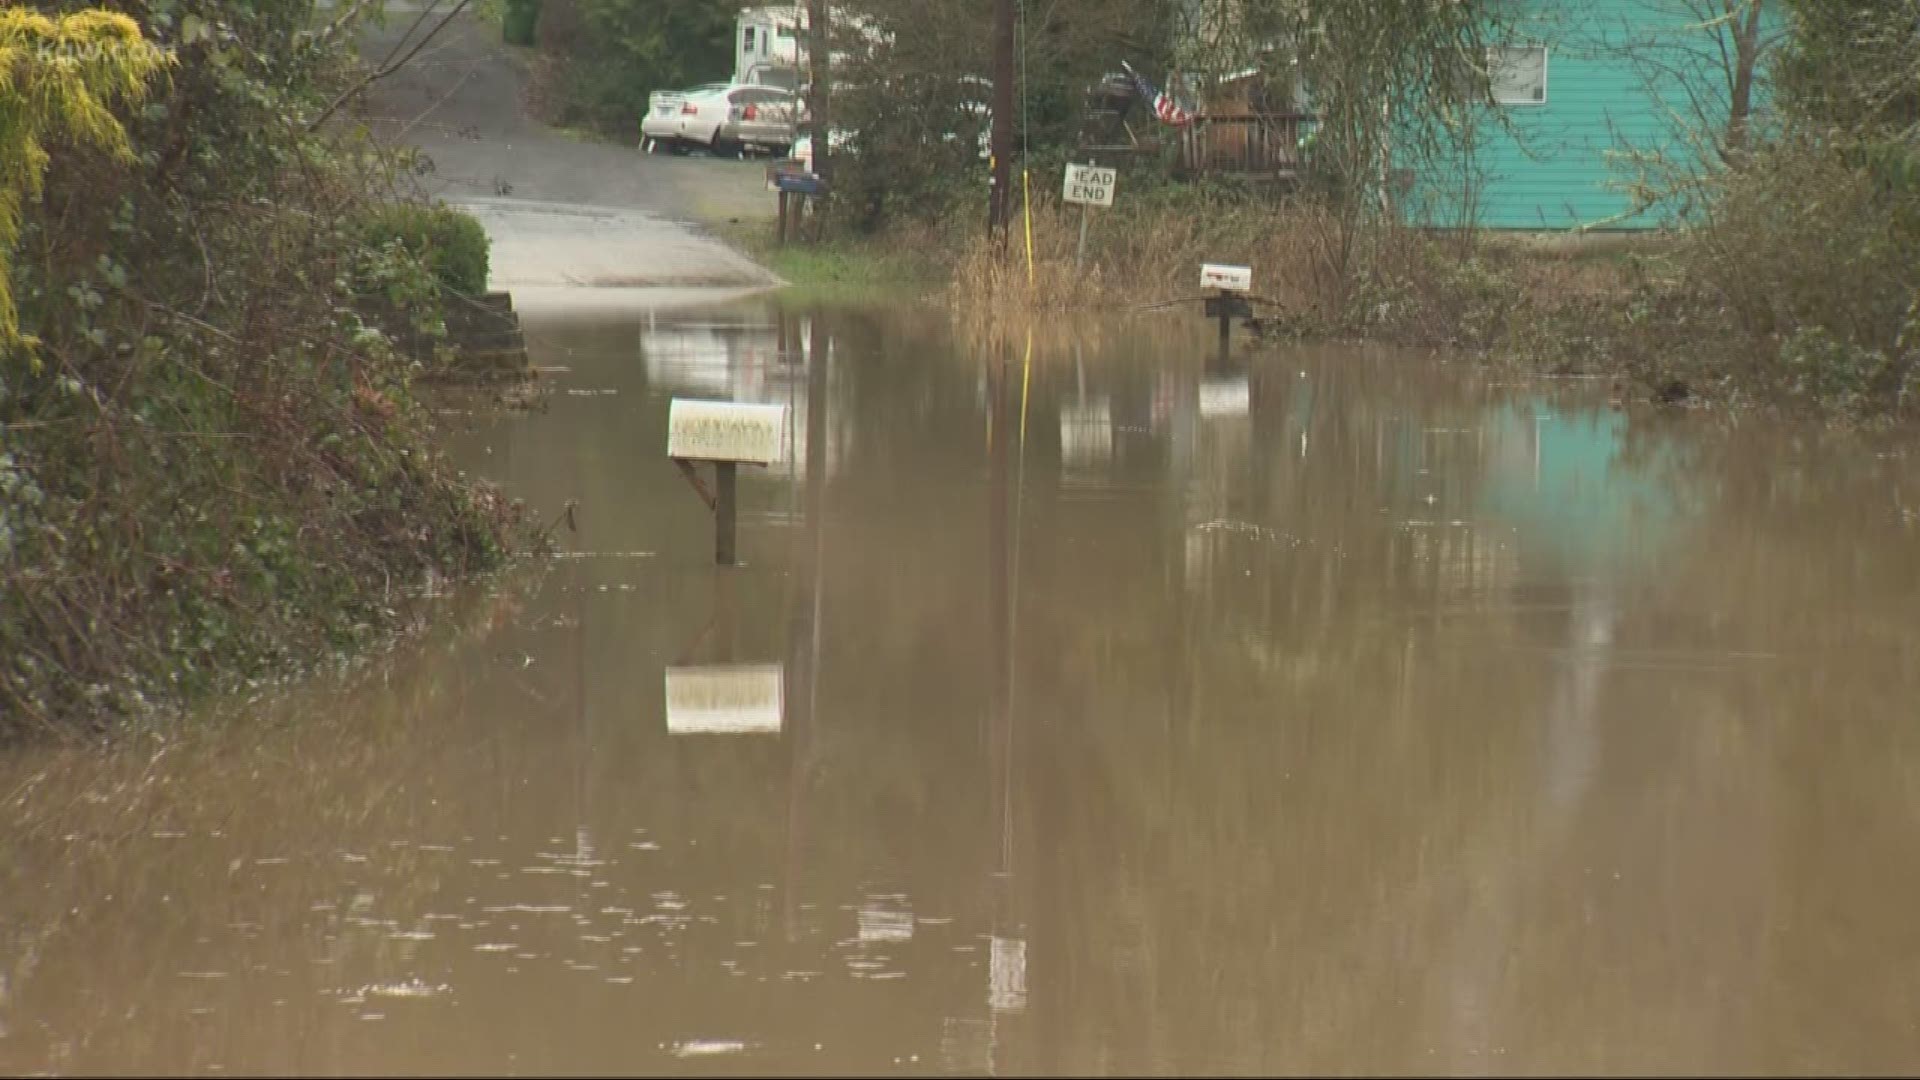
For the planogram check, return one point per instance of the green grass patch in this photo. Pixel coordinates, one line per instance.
(840, 268)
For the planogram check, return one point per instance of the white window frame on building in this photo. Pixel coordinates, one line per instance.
(1509, 82)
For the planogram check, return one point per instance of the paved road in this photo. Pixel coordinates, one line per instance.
(562, 212)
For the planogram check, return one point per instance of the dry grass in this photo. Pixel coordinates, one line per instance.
(1711, 313)
(1564, 308)
(1315, 272)
(1141, 257)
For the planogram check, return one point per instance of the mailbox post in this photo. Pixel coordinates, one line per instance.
(795, 187)
(726, 514)
(726, 434)
(1231, 284)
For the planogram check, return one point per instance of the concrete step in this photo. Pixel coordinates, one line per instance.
(491, 362)
(497, 300)
(490, 339)
(462, 319)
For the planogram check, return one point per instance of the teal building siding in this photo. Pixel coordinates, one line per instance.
(1623, 79)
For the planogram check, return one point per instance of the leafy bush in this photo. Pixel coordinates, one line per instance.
(448, 240)
(1839, 373)
(1804, 238)
(913, 151)
(219, 472)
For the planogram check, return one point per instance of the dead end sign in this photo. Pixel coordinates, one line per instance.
(1090, 185)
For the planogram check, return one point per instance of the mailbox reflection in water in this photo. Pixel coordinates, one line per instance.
(731, 699)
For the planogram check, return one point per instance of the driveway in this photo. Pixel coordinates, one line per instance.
(563, 212)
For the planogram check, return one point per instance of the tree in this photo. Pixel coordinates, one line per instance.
(1741, 52)
(616, 52)
(60, 78)
(1710, 57)
(1704, 65)
(915, 88)
(403, 53)
(820, 85)
(1000, 203)
(1389, 83)
(1854, 64)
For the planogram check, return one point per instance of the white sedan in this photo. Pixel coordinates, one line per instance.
(660, 128)
(725, 119)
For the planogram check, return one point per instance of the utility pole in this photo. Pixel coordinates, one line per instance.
(1000, 199)
(819, 66)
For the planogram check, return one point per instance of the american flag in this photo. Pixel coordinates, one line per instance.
(1164, 106)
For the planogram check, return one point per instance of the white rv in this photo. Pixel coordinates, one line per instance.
(770, 42)
(766, 39)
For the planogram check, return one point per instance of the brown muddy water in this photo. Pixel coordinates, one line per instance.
(1112, 709)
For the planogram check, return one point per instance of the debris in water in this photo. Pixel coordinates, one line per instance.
(706, 1047)
(411, 988)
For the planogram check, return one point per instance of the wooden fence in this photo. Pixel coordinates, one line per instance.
(1262, 145)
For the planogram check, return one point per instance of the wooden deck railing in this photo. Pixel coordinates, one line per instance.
(1257, 144)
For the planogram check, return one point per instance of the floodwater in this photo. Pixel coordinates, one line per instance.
(1104, 707)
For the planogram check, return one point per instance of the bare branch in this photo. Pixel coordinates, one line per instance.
(390, 67)
(347, 18)
(419, 20)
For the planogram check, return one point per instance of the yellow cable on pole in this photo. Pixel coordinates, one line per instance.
(1026, 186)
(1026, 377)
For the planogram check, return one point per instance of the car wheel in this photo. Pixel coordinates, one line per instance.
(732, 151)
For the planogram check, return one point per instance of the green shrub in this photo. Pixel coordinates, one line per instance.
(611, 53)
(450, 241)
(1841, 373)
(198, 299)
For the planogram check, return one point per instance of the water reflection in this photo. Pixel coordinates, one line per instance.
(725, 699)
(1127, 710)
(1086, 436)
(742, 356)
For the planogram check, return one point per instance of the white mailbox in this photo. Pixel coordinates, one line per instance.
(724, 431)
(1230, 278)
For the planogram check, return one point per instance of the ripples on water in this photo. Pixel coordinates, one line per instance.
(1132, 711)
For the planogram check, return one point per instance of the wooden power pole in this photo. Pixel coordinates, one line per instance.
(1000, 199)
(820, 78)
